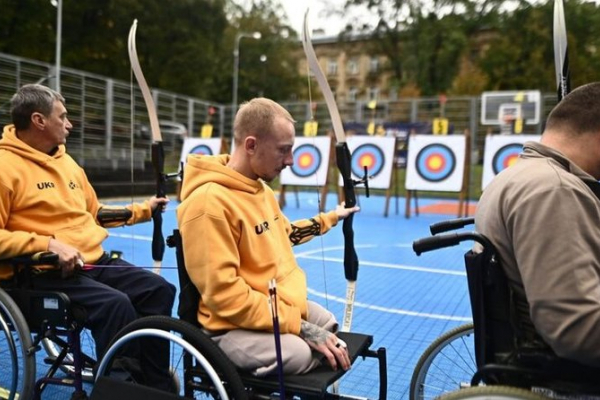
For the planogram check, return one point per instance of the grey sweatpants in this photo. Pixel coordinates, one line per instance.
(254, 351)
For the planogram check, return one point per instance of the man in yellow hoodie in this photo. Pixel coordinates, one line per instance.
(236, 239)
(48, 204)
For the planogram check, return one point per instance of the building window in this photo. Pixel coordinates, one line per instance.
(374, 65)
(332, 67)
(352, 66)
(373, 93)
(352, 93)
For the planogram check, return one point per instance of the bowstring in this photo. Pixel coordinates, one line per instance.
(131, 129)
(312, 119)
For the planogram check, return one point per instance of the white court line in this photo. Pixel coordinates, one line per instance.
(343, 300)
(389, 310)
(308, 255)
(130, 236)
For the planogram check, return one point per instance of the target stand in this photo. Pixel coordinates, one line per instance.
(438, 164)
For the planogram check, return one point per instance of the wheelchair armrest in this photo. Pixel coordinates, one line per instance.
(39, 258)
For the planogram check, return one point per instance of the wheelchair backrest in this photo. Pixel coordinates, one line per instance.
(189, 296)
(501, 320)
(490, 304)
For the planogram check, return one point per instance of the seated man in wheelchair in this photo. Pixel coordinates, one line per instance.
(48, 204)
(236, 239)
(543, 216)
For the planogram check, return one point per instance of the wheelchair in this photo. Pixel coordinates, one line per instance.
(31, 320)
(511, 359)
(204, 371)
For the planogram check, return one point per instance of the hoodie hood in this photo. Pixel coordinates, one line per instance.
(201, 169)
(10, 142)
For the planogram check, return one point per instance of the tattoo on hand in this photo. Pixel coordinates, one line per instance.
(313, 333)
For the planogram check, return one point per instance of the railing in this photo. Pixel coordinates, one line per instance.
(110, 119)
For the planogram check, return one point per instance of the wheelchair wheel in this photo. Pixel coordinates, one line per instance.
(17, 358)
(446, 365)
(492, 393)
(200, 366)
(88, 348)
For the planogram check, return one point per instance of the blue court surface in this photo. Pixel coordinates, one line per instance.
(404, 301)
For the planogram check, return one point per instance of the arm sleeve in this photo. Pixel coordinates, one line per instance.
(213, 264)
(303, 230)
(556, 237)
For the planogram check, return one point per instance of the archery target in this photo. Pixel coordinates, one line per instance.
(311, 160)
(435, 163)
(307, 160)
(202, 150)
(370, 156)
(201, 147)
(377, 154)
(501, 151)
(506, 156)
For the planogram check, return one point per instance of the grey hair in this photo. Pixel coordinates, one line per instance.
(29, 99)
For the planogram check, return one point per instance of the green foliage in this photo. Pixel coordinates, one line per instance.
(438, 44)
(184, 45)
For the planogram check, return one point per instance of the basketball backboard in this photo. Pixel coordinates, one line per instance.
(496, 106)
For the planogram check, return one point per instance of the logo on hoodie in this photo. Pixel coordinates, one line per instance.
(45, 185)
(260, 228)
(73, 185)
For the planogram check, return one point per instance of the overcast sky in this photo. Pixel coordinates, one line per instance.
(316, 18)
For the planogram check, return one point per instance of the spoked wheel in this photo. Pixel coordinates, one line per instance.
(17, 358)
(446, 365)
(199, 368)
(492, 393)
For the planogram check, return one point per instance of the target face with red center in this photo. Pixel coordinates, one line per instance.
(307, 160)
(435, 162)
(202, 150)
(368, 155)
(506, 156)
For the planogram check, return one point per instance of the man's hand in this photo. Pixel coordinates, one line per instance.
(327, 343)
(158, 202)
(69, 258)
(343, 212)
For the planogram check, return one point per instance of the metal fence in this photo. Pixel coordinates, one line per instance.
(111, 128)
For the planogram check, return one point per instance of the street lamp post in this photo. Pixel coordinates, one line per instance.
(58, 5)
(263, 61)
(236, 67)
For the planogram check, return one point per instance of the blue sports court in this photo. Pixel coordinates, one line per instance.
(404, 301)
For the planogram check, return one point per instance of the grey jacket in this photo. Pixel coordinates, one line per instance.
(545, 223)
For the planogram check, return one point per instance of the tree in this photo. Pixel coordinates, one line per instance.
(275, 77)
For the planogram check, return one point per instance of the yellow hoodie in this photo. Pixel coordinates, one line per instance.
(48, 196)
(235, 240)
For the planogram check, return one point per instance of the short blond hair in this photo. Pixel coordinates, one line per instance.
(256, 117)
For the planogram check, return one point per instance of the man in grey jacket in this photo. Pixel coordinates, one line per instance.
(544, 219)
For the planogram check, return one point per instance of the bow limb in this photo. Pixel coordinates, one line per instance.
(158, 157)
(343, 160)
(561, 56)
